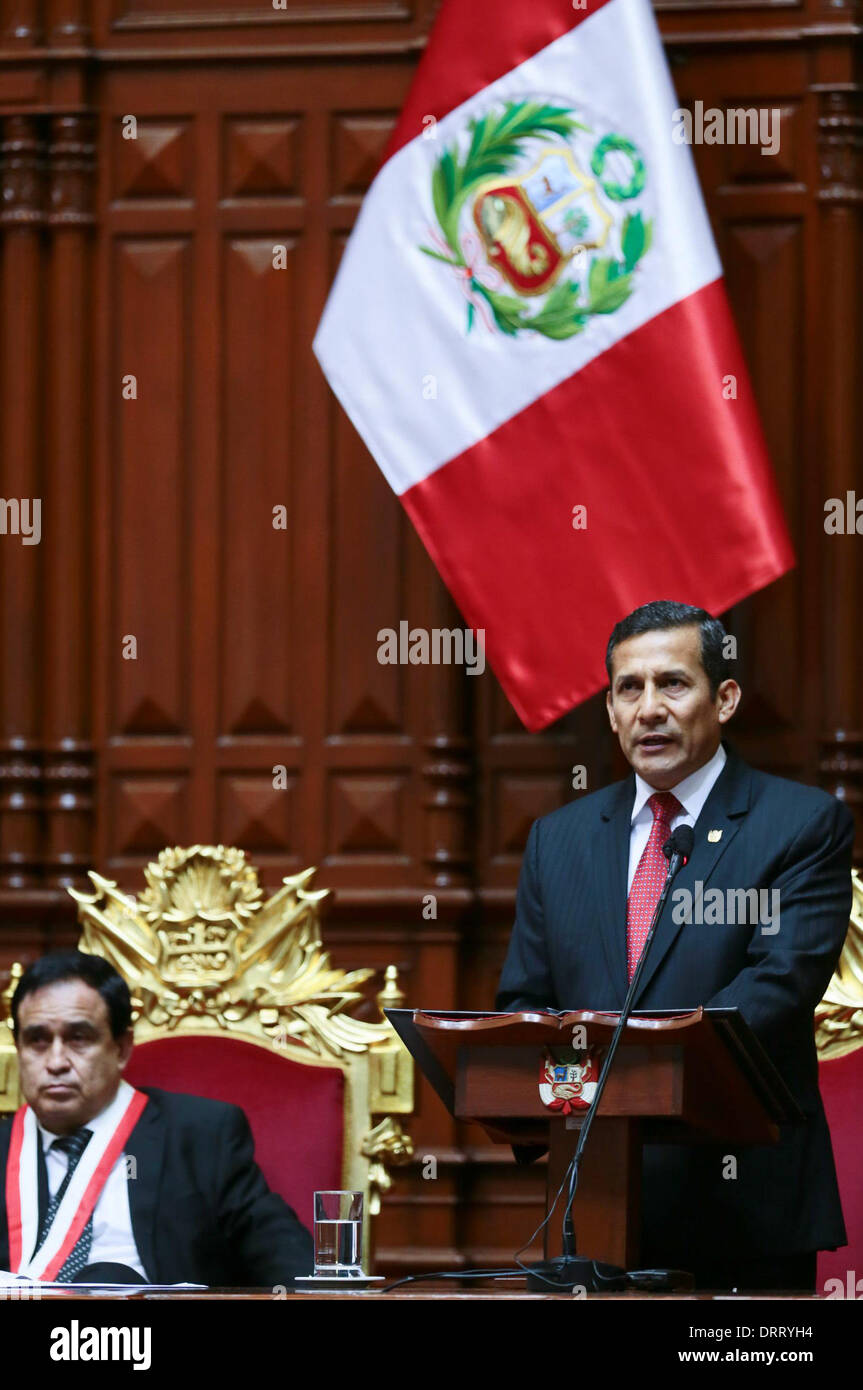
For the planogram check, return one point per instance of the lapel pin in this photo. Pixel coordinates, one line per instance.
(714, 835)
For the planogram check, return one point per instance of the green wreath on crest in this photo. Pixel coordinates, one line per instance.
(497, 140)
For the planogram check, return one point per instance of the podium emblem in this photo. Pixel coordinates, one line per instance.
(568, 1080)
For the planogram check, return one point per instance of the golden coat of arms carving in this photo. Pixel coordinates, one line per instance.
(202, 943)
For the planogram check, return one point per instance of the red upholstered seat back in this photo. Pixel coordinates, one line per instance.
(841, 1083)
(295, 1112)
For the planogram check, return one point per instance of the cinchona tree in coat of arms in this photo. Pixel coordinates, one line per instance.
(541, 239)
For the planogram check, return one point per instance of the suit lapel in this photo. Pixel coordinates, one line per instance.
(146, 1144)
(724, 810)
(611, 860)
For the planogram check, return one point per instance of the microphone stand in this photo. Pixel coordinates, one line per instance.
(568, 1270)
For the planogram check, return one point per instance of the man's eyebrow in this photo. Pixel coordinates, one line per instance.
(33, 1030)
(66, 1026)
(676, 673)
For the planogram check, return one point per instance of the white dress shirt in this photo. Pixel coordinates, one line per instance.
(692, 793)
(113, 1238)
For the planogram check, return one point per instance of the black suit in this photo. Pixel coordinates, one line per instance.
(201, 1209)
(568, 951)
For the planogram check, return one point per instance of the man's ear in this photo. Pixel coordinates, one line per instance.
(609, 706)
(728, 698)
(125, 1043)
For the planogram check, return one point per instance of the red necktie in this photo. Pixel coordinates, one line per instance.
(649, 876)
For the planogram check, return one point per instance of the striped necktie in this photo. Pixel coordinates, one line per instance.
(73, 1145)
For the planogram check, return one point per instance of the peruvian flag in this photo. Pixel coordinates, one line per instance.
(530, 331)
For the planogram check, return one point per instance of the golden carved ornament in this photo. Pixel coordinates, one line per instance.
(201, 944)
(839, 1016)
(203, 950)
(10, 1097)
(386, 1146)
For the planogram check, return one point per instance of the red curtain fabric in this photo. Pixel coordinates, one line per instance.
(296, 1112)
(841, 1082)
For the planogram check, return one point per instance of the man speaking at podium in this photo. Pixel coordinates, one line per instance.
(194, 1208)
(590, 880)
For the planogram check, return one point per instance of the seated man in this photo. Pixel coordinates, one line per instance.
(195, 1208)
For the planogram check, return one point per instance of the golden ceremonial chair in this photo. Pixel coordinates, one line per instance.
(839, 1036)
(235, 998)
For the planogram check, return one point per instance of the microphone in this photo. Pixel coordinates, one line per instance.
(678, 848)
(570, 1268)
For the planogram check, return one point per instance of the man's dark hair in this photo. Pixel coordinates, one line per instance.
(663, 614)
(76, 965)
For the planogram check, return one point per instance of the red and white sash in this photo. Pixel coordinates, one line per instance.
(81, 1196)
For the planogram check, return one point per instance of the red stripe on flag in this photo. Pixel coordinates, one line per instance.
(472, 44)
(681, 504)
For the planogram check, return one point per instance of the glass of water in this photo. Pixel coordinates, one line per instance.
(338, 1234)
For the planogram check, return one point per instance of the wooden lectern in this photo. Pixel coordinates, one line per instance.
(688, 1078)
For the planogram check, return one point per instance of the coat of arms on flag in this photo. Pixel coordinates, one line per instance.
(512, 216)
(567, 1080)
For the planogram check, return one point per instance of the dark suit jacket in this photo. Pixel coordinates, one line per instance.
(201, 1209)
(568, 951)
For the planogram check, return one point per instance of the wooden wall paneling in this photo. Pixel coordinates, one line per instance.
(523, 776)
(838, 322)
(22, 218)
(764, 256)
(169, 14)
(501, 1204)
(270, 662)
(441, 698)
(67, 23)
(168, 29)
(21, 23)
(371, 749)
(147, 456)
(439, 701)
(66, 688)
(310, 484)
(760, 206)
(367, 698)
(152, 519)
(259, 664)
